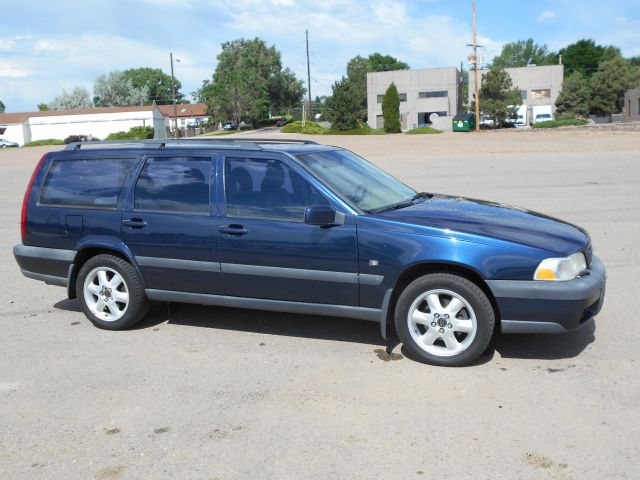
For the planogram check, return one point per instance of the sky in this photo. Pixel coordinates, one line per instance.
(47, 46)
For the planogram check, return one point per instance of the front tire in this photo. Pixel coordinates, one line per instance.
(444, 319)
(111, 292)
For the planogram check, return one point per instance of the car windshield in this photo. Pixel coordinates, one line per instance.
(356, 181)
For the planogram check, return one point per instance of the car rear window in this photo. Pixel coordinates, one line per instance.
(174, 184)
(88, 182)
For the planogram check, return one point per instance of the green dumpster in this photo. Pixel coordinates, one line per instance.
(464, 122)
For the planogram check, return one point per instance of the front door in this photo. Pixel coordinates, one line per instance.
(266, 249)
(170, 226)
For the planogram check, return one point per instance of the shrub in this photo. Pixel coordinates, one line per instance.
(46, 141)
(310, 128)
(363, 129)
(391, 109)
(423, 131)
(135, 133)
(564, 122)
(80, 138)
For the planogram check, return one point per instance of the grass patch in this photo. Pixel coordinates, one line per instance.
(423, 131)
(46, 141)
(564, 122)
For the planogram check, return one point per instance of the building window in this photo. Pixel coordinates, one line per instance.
(433, 94)
(523, 94)
(539, 94)
(380, 98)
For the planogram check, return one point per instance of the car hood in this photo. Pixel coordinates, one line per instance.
(494, 220)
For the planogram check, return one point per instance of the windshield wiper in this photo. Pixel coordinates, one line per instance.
(407, 203)
(419, 195)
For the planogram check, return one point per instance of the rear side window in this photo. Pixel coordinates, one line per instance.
(174, 184)
(87, 182)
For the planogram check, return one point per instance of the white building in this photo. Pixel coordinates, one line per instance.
(26, 127)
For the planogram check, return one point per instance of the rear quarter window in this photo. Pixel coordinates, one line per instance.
(89, 182)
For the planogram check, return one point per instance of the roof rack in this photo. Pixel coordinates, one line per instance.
(246, 143)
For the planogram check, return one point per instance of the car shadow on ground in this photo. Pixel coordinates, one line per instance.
(544, 347)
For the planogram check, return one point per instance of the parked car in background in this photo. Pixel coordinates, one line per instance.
(283, 121)
(230, 126)
(542, 113)
(295, 226)
(4, 143)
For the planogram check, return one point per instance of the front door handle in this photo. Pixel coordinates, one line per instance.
(233, 230)
(134, 223)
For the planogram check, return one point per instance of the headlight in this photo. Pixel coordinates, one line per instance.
(566, 268)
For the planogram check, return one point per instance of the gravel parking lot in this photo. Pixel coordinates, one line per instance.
(214, 393)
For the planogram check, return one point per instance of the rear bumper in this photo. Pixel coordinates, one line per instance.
(550, 307)
(51, 265)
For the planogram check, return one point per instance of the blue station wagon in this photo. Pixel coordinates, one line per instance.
(295, 226)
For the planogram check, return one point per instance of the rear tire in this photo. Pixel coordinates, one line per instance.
(444, 319)
(111, 292)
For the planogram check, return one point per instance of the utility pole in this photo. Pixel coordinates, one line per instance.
(475, 67)
(173, 94)
(308, 74)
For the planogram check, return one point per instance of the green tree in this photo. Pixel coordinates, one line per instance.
(43, 107)
(575, 95)
(584, 56)
(385, 63)
(608, 84)
(77, 98)
(358, 67)
(2, 107)
(248, 80)
(343, 106)
(156, 82)
(499, 100)
(391, 109)
(285, 92)
(523, 53)
(115, 90)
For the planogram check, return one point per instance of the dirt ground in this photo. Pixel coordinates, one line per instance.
(214, 393)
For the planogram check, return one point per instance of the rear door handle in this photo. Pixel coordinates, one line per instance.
(233, 230)
(134, 223)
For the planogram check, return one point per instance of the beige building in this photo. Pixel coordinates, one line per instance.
(426, 96)
(631, 109)
(539, 85)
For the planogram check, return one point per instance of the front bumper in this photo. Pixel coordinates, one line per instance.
(550, 307)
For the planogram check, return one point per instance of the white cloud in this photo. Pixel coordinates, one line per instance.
(546, 16)
(10, 70)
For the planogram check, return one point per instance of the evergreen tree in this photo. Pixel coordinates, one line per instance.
(608, 84)
(575, 95)
(391, 109)
(498, 98)
(343, 107)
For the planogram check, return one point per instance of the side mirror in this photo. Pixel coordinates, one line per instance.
(323, 216)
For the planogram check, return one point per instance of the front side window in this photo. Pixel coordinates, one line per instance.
(85, 182)
(267, 189)
(174, 184)
(355, 180)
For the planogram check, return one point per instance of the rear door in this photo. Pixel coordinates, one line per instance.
(170, 224)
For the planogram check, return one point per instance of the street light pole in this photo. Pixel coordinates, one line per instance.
(173, 94)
